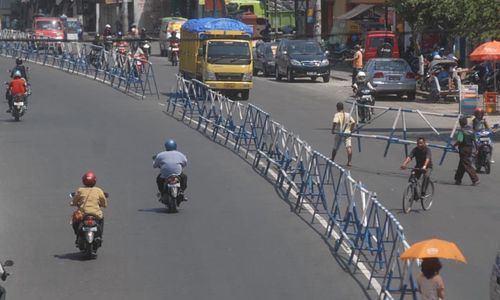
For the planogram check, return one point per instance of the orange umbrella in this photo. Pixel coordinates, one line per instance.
(433, 248)
(486, 51)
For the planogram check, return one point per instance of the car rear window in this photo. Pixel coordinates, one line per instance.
(393, 65)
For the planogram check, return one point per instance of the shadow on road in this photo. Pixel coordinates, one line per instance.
(76, 256)
(158, 210)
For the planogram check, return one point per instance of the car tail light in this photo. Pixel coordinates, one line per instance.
(90, 222)
(378, 75)
(410, 75)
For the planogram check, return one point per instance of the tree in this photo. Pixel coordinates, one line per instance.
(473, 19)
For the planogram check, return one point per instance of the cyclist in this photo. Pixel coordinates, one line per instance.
(423, 162)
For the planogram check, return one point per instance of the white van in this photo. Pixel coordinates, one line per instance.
(169, 24)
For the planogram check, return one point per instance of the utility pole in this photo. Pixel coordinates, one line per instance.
(317, 20)
(124, 17)
(275, 19)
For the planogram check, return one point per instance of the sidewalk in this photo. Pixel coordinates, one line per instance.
(343, 73)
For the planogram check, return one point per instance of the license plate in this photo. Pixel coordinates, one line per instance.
(94, 229)
(19, 103)
(312, 73)
(484, 139)
(394, 77)
(229, 85)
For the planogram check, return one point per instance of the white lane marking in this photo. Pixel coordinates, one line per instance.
(361, 266)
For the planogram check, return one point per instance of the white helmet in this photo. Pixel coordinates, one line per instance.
(107, 26)
(17, 73)
(361, 76)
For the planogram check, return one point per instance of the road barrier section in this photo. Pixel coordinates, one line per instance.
(401, 115)
(132, 75)
(358, 224)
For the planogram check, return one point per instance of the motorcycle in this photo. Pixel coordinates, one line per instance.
(19, 102)
(171, 195)
(364, 97)
(484, 149)
(174, 53)
(4, 274)
(89, 236)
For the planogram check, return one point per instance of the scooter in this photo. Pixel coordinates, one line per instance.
(364, 97)
(171, 195)
(89, 236)
(484, 149)
(4, 274)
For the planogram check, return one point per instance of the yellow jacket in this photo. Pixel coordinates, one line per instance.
(90, 200)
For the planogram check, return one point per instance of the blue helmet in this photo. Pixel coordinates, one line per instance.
(170, 145)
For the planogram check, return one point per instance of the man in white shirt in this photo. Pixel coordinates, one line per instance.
(343, 123)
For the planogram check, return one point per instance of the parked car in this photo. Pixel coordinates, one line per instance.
(391, 76)
(301, 58)
(495, 279)
(264, 58)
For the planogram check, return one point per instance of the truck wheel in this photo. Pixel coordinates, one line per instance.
(245, 94)
(326, 78)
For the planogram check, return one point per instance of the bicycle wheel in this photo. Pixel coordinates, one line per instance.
(408, 198)
(426, 200)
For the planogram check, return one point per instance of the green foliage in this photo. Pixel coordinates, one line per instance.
(474, 19)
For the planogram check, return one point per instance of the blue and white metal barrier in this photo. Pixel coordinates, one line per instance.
(359, 224)
(401, 116)
(130, 74)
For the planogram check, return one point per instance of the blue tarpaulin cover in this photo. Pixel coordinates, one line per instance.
(204, 24)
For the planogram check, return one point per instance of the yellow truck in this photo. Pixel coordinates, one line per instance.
(218, 52)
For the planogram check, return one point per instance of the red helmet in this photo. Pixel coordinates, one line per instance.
(478, 112)
(89, 179)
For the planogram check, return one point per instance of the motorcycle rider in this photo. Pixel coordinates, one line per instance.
(17, 87)
(173, 39)
(107, 31)
(171, 162)
(361, 84)
(479, 123)
(19, 66)
(90, 199)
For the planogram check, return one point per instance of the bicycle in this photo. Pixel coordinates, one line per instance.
(413, 192)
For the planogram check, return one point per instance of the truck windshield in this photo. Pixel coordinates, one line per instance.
(228, 53)
(48, 25)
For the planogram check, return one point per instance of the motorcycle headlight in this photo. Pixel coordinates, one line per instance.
(247, 76)
(210, 76)
(325, 62)
(295, 62)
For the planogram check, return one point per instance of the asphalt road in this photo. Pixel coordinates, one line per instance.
(467, 215)
(234, 239)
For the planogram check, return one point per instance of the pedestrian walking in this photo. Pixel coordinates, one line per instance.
(430, 283)
(465, 143)
(343, 124)
(357, 62)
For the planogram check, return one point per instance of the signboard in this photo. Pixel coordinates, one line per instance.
(469, 99)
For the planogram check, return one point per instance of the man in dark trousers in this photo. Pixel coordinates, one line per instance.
(465, 142)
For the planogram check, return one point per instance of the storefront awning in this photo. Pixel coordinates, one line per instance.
(356, 11)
